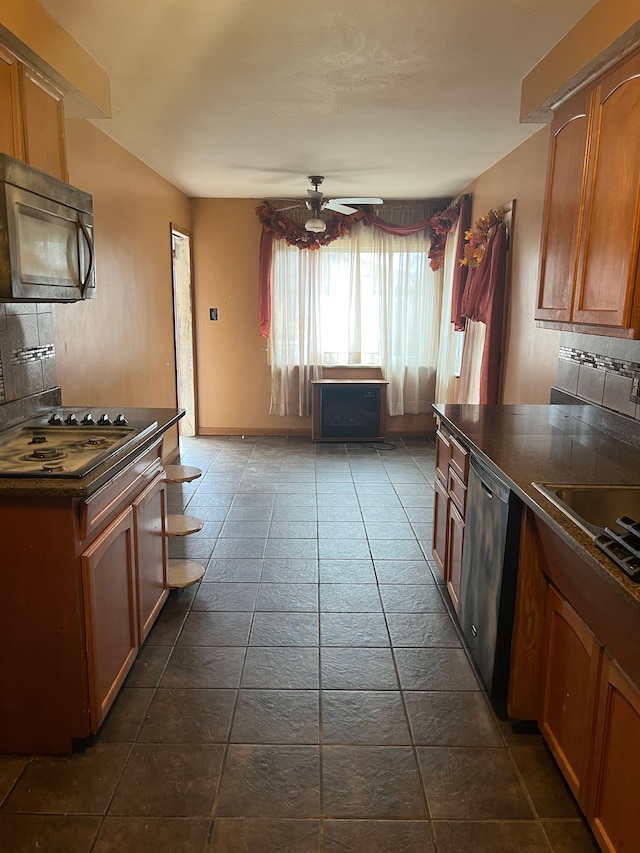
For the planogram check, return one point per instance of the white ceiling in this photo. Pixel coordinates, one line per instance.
(245, 99)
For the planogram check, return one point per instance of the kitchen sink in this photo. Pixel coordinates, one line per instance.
(594, 507)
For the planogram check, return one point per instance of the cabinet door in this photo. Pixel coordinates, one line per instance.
(10, 126)
(440, 526)
(443, 454)
(151, 554)
(611, 233)
(563, 210)
(454, 556)
(613, 809)
(43, 122)
(108, 576)
(571, 670)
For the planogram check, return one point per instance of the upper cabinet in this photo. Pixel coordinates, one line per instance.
(31, 117)
(589, 274)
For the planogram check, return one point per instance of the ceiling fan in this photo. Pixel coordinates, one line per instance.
(316, 204)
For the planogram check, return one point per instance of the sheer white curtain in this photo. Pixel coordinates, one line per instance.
(474, 334)
(369, 298)
(446, 380)
(410, 299)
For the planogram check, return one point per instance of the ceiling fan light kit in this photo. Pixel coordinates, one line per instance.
(315, 224)
(316, 204)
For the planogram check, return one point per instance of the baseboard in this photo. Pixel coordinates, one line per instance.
(306, 433)
(252, 431)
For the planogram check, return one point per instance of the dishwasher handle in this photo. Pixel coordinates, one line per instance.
(492, 485)
(486, 489)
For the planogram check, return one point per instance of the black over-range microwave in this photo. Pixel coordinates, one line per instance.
(46, 237)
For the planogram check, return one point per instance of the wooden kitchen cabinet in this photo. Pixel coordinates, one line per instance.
(591, 722)
(150, 528)
(613, 807)
(111, 612)
(440, 525)
(450, 486)
(454, 561)
(32, 127)
(83, 580)
(575, 669)
(563, 210)
(572, 662)
(589, 278)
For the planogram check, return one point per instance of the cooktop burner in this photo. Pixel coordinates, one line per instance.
(66, 444)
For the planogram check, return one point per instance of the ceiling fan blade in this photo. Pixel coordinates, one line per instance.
(358, 200)
(339, 208)
(291, 207)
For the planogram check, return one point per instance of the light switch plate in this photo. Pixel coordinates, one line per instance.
(635, 388)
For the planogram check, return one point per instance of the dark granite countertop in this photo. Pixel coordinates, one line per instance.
(85, 486)
(552, 444)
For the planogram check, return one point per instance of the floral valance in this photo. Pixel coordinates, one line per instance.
(476, 238)
(440, 224)
(284, 228)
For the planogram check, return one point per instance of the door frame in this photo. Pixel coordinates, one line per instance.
(184, 233)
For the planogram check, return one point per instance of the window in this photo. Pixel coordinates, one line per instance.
(366, 299)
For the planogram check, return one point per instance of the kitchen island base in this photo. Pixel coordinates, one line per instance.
(90, 583)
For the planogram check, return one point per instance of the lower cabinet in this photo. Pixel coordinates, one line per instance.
(84, 579)
(454, 562)
(440, 526)
(590, 719)
(149, 516)
(613, 806)
(572, 662)
(450, 486)
(110, 600)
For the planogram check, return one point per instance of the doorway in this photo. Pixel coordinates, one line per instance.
(183, 330)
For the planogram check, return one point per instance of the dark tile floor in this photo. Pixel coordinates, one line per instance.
(311, 694)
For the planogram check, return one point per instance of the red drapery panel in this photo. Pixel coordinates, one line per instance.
(461, 271)
(264, 283)
(483, 300)
(398, 230)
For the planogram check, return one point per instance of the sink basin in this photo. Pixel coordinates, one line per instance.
(594, 507)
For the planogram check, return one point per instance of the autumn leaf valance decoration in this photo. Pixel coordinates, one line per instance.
(284, 228)
(440, 224)
(477, 237)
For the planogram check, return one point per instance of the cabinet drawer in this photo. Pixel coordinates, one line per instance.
(459, 459)
(108, 500)
(457, 491)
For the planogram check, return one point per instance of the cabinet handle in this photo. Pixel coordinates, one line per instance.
(82, 228)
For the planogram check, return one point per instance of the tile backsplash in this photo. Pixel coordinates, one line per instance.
(27, 350)
(599, 370)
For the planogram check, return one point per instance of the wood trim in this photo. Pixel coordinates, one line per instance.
(12, 141)
(525, 682)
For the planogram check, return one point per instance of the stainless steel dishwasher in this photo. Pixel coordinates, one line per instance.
(488, 577)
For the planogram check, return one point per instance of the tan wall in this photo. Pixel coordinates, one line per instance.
(606, 33)
(118, 350)
(233, 373)
(531, 354)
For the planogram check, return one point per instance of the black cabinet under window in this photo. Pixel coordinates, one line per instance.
(348, 409)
